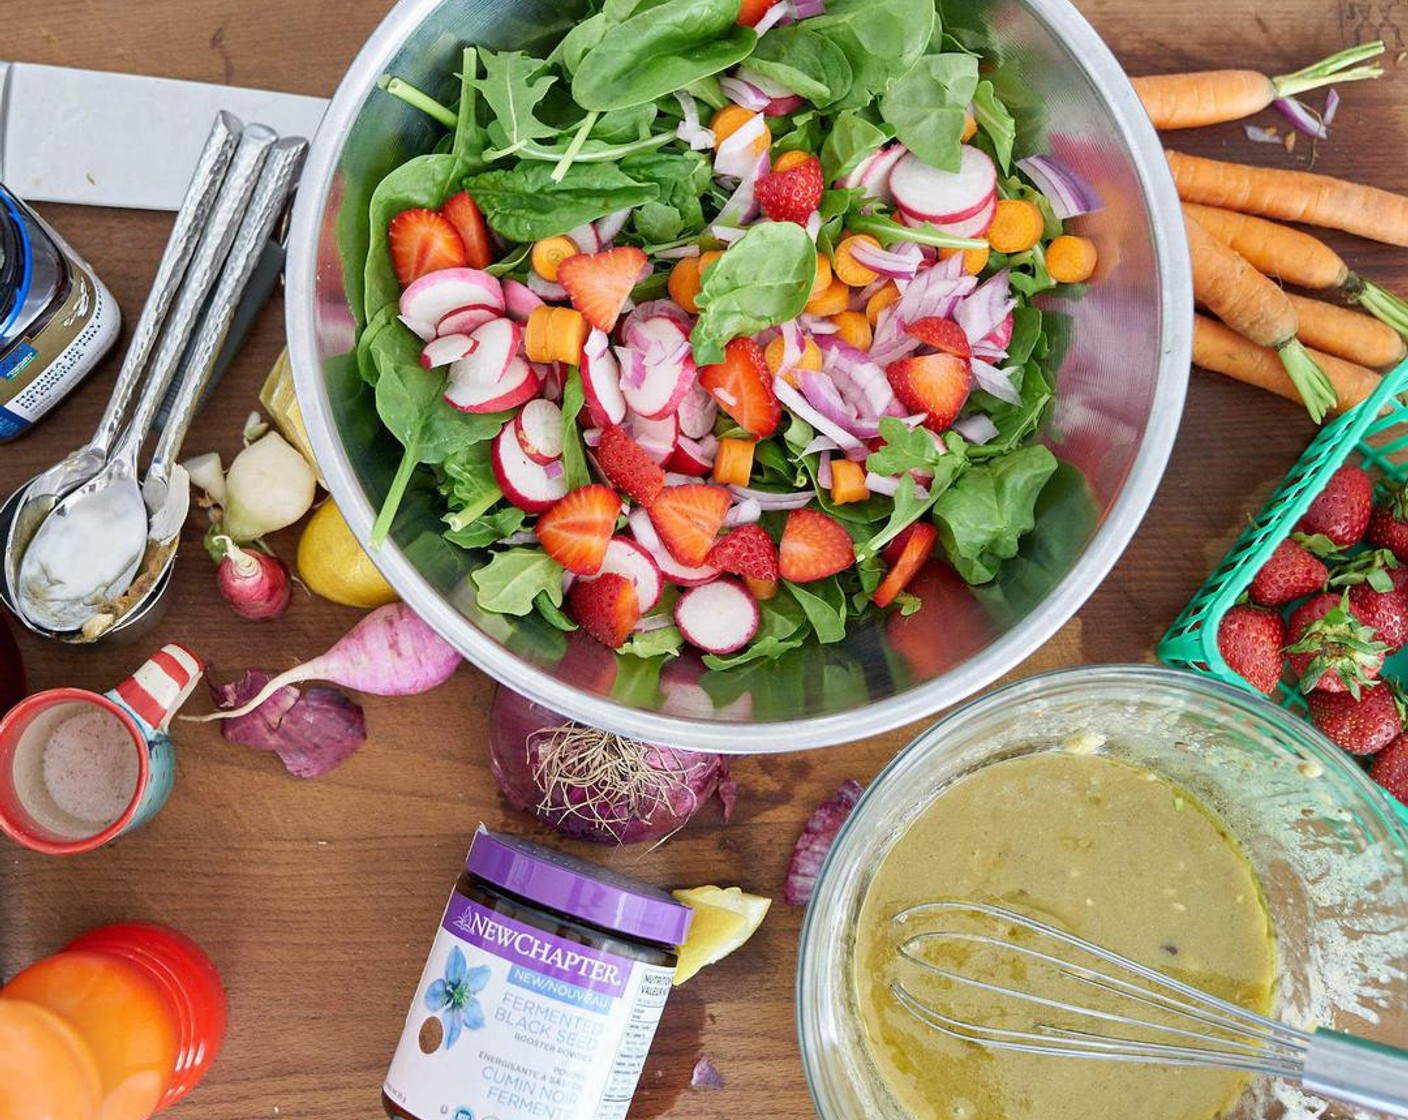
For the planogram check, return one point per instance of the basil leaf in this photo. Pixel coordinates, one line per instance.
(486, 529)
(574, 455)
(983, 516)
(881, 39)
(994, 119)
(512, 580)
(808, 64)
(513, 85)
(928, 106)
(424, 182)
(850, 140)
(824, 604)
(524, 204)
(763, 280)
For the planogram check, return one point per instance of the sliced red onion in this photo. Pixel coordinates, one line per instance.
(553, 469)
(767, 85)
(821, 443)
(881, 484)
(817, 324)
(778, 13)
(767, 500)
(1069, 194)
(983, 311)
(727, 234)
(995, 381)
(813, 226)
(870, 392)
(793, 345)
(596, 344)
(736, 157)
(654, 309)
(609, 227)
(935, 291)
(807, 9)
(592, 437)
(742, 206)
(679, 253)
(900, 262)
(652, 622)
(1332, 106)
(1302, 117)
(977, 428)
(857, 454)
(896, 410)
(1258, 135)
(585, 238)
(745, 94)
(823, 394)
(783, 106)
(745, 512)
(691, 130)
(632, 366)
(823, 470)
(798, 404)
(513, 540)
(864, 295)
(914, 420)
(546, 289)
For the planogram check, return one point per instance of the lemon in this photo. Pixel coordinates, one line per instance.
(723, 920)
(334, 565)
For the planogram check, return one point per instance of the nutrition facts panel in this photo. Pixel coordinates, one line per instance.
(646, 1008)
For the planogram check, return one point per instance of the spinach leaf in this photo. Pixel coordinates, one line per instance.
(379, 322)
(425, 181)
(574, 455)
(656, 222)
(469, 485)
(513, 85)
(808, 64)
(516, 261)
(512, 580)
(657, 49)
(524, 204)
(683, 178)
(552, 614)
(983, 516)
(621, 126)
(881, 39)
(486, 529)
(927, 107)
(577, 42)
(763, 280)
(801, 132)
(851, 139)
(824, 604)
(994, 119)
(667, 641)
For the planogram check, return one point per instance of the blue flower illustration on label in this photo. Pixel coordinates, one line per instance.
(452, 996)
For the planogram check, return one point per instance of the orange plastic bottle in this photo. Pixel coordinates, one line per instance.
(145, 1006)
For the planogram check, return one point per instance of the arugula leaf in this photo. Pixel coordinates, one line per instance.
(881, 39)
(486, 529)
(574, 455)
(514, 84)
(760, 649)
(983, 516)
(927, 107)
(824, 604)
(657, 49)
(552, 614)
(808, 64)
(513, 579)
(525, 204)
(852, 137)
(994, 119)
(667, 641)
(782, 627)
(763, 280)
(469, 140)
(909, 507)
(423, 182)
(908, 449)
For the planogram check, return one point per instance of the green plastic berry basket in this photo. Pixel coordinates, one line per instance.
(1374, 433)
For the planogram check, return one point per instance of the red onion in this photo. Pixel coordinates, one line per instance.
(1302, 117)
(807, 9)
(781, 12)
(798, 404)
(727, 234)
(592, 437)
(655, 308)
(608, 227)
(934, 292)
(736, 157)
(679, 253)
(632, 366)
(982, 312)
(821, 443)
(767, 500)
(745, 94)
(977, 428)
(311, 731)
(822, 395)
(1069, 194)
(1332, 106)
(793, 345)
(783, 106)
(255, 584)
(651, 623)
(871, 394)
(1258, 135)
(817, 837)
(546, 289)
(745, 512)
(823, 470)
(900, 262)
(817, 324)
(690, 130)
(595, 785)
(995, 381)
(742, 206)
(772, 88)
(881, 484)
(596, 344)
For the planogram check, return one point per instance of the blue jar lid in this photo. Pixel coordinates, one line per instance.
(577, 888)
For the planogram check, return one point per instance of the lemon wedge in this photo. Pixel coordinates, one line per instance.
(334, 565)
(723, 920)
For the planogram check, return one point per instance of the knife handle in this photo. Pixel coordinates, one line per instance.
(185, 233)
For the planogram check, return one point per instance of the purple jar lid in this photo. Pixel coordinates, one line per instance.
(577, 888)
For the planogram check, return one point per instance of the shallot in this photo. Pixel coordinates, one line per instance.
(312, 732)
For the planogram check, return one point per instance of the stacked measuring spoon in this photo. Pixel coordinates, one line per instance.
(89, 544)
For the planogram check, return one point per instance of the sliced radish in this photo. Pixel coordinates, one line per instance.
(657, 438)
(466, 320)
(530, 486)
(539, 430)
(975, 226)
(694, 457)
(601, 386)
(552, 376)
(698, 411)
(496, 345)
(520, 301)
(585, 238)
(625, 557)
(682, 575)
(423, 331)
(944, 196)
(668, 367)
(719, 617)
(873, 173)
(446, 349)
(519, 384)
(657, 309)
(435, 295)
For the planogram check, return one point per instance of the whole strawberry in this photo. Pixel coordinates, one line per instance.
(1289, 573)
(1341, 511)
(1388, 524)
(1360, 725)
(792, 195)
(1390, 768)
(1378, 595)
(1250, 641)
(1330, 649)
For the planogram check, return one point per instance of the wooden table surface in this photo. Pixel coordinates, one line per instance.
(318, 899)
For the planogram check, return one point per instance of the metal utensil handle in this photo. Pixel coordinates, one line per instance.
(180, 248)
(210, 254)
(267, 204)
(1356, 1071)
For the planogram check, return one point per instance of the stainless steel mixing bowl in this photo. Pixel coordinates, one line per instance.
(1123, 341)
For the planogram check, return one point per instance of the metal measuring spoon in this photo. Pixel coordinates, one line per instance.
(89, 549)
(31, 504)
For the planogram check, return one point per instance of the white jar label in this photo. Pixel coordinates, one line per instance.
(512, 1023)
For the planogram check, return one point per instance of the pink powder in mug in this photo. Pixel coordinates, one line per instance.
(90, 766)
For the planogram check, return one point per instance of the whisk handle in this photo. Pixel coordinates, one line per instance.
(1356, 1071)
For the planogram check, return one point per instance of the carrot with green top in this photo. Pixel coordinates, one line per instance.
(1214, 96)
(1294, 257)
(1346, 333)
(1258, 310)
(1292, 196)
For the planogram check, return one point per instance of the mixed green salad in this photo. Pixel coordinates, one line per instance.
(715, 324)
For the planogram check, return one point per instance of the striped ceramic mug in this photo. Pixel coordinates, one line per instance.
(79, 768)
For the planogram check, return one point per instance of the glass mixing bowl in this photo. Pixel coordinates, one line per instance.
(1330, 852)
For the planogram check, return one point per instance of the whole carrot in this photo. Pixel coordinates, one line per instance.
(1292, 196)
(1258, 310)
(1298, 258)
(1224, 351)
(1213, 96)
(1346, 333)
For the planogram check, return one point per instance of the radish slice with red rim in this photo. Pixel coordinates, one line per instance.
(628, 558)
(720, 617)
(435, 295)
(446, 349)
(539, 430)
(526, 484)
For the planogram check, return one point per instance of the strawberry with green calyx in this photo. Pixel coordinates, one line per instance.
(1332, 650)
(1341, 511)
(1390, 768)
(1378, 594)
(1360, 724)
(1291, 572)
(1388, 524)
(1250, 641)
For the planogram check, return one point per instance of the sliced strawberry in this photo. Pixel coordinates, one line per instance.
(688, 518)
(606, 607)
(464, 214)
(935, 384)
(423, 242)
(577, 529)
(598, 284)
(792, 195)
(742, 385)
(628, 467)
(747, 551)
(942, 334)
(814, 546)
(917, 550)
(752, 11)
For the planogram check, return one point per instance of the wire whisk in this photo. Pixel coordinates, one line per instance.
(1151, 1017)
